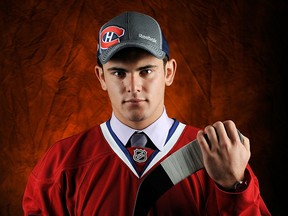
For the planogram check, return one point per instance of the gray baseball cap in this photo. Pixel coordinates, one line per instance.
(131, 29)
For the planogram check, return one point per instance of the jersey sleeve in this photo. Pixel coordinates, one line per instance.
(43, 197)
(246, 203)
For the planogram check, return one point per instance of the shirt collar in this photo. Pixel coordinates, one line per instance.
(157, 131)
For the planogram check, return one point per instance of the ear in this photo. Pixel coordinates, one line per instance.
(100, 75)
(171, 67)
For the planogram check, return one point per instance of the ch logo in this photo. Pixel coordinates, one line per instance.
(140, 155)
(111, 36)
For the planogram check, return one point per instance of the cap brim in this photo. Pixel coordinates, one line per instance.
(107, 54)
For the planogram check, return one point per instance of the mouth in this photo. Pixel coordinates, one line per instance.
(134, 101)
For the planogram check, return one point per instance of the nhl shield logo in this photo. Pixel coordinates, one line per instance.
(140, 155)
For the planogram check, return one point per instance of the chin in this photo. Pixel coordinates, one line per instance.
(136, 116)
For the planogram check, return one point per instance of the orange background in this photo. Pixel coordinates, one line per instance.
(231, 65)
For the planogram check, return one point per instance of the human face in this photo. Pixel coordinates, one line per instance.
(135, 81)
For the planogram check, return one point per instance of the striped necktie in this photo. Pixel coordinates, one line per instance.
(138, 139)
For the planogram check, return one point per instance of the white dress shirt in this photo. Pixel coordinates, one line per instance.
(157, 131)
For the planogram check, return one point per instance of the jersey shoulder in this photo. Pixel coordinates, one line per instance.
(74, 151)
(189, 133)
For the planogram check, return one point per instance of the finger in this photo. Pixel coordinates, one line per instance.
(212, 136)
(202, 141)
(221, 132)
(245, 142)
(232, 132)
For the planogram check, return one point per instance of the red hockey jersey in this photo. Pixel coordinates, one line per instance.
(92, 173)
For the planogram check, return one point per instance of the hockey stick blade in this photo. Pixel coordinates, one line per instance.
(181, 164)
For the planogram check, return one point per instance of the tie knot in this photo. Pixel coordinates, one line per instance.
(138, 139)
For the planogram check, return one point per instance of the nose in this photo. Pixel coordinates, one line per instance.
(134, 83)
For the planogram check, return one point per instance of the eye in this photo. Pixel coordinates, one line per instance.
(119, 73)
(145, 72)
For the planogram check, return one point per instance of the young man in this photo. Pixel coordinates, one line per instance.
(99, 171)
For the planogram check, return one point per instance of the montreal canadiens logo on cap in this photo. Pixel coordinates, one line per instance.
(110, 36)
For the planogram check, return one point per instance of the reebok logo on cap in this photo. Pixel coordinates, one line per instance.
(148, 38)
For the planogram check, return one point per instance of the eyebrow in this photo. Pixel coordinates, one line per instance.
(116, 69)
(146, 67)
(138, 69)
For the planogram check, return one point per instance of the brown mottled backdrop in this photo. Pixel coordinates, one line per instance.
(231, 65)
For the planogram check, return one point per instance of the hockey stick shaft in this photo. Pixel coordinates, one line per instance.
(181, 164)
